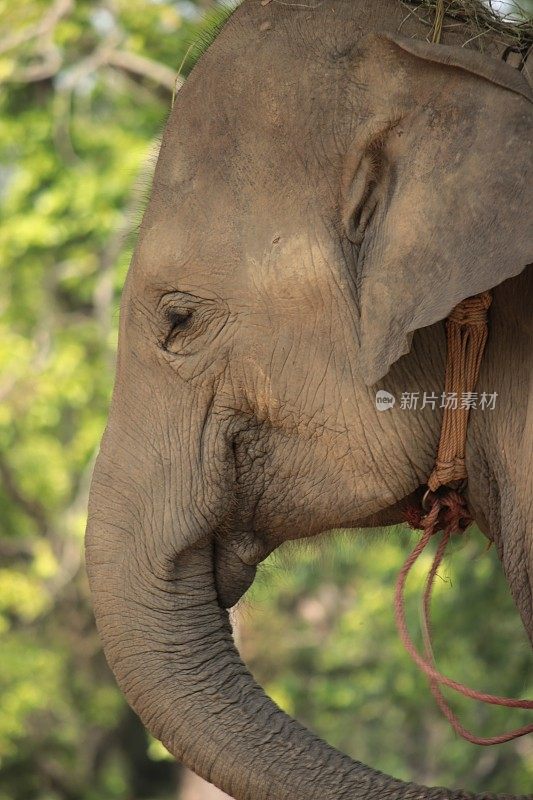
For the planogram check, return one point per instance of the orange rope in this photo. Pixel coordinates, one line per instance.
(466, 330)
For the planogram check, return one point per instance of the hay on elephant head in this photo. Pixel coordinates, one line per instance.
(513, 31)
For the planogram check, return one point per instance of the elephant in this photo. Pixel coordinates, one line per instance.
(329, 186)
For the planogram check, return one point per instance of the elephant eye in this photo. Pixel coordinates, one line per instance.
(178, 320)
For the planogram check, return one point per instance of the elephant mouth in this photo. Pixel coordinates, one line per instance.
(233, 576)
(239, 549)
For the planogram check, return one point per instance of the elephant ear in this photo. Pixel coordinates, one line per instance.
(457, 212)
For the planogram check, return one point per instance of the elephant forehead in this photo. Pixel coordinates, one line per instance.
(233, 235)
(295, 272)
(188, 231)
(254, 99)
(242, 255)
(220, 122)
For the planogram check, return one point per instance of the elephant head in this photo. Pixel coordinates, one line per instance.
(326, 191)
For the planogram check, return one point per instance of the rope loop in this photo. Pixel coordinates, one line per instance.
(447, 512)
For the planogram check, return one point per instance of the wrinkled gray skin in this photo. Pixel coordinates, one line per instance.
(325, 194)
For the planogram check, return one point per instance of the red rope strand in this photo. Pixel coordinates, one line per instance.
(447, 512)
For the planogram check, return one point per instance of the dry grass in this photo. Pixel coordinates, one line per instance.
(479, 20)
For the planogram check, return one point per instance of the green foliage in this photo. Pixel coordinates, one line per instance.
(86, 90)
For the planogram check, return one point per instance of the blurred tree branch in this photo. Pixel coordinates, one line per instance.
(49, 61)
(146, 67)
(41, 30)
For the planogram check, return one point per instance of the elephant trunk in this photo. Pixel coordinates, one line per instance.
(170, 645)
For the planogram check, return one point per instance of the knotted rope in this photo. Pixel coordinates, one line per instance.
(445, 509)
(466, 338)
